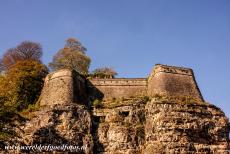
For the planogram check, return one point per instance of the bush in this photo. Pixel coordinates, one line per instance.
(97, 103)
(104, 72)
(146, 99)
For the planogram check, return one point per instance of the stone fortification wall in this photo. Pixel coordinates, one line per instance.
(63, 87)
(66, 86)
(173, 81)
(118, 88)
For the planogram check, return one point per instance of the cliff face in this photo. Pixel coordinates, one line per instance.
(72, 114)
(160, 125)
(60, 125)
(185, 126)
(127, 126)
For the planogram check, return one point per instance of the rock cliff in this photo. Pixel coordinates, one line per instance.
(134, 125)
(160, 125)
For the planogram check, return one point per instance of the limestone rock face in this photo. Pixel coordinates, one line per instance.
(60, 125)
(160, 126)
(120, 129)
(130, 126)
(185, 127)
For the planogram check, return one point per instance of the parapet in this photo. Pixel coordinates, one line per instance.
(172, 69)
(173, 81)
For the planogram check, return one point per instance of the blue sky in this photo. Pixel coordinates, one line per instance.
(131, 35)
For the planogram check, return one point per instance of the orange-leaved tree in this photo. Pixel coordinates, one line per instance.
(22, 83)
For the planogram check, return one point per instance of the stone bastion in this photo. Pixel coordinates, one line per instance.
(67, 86)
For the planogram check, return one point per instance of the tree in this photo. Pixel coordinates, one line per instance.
(72, 56)
(1, 66)
(75, 44)
(22, 84)
(27, 50)
(104, 72)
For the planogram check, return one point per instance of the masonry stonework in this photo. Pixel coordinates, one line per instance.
(173, 81)
(63, 87)
(121, 88)
(66, 86)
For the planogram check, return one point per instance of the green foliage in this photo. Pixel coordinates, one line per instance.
(104, 72)
(140, 131)
(6, 112)
(164, 98)
(29, 112)
(146, 98)
(158, 96)
(72, 56)
(22, 84)
(33, 107)
(6, 135)
(97, 103)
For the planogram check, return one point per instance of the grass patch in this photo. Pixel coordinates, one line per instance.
(163, 98)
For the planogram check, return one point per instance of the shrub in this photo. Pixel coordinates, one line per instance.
(104, 72)
(146, 98)
(158, 96)
(97, 103)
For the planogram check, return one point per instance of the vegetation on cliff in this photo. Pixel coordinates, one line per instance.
(104, 72)
(21, 81)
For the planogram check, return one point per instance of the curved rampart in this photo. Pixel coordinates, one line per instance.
(62, 87)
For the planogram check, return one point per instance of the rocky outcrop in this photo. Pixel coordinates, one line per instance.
(127, 126)
(120, 127)
(59, 125)
(185, 127)
(160, 126)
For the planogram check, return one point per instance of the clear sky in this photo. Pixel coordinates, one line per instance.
(131, 35)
